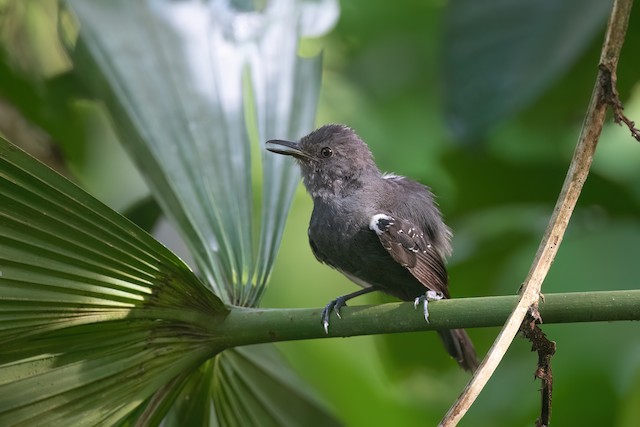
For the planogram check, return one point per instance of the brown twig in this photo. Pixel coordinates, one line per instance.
(612, 98)
(576, 176)
(546, 349)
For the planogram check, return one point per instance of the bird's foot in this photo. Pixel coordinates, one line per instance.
(424, 299)
(334, 305)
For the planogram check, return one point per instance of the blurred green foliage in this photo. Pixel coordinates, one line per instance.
(385, 70)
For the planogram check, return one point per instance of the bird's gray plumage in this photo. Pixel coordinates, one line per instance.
(385, 232)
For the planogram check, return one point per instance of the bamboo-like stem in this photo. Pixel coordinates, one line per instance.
(245, 326)
(576, 176)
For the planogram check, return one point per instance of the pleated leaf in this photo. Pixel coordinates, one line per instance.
(182, 81)
(174, 78)
(253, 388)
(95, 315)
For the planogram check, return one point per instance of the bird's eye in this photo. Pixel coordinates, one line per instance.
(326, 152)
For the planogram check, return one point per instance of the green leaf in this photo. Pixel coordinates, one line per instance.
(247, 386)
(255, 388)
(95, 315)
(153, 411)
(187, 97)
(194, 405)
(174, 77)
(500, 55)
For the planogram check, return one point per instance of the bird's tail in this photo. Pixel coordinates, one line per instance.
(460, 347)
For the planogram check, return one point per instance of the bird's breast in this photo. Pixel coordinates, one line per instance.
(332, 229)
(343, 239)
(335, 226)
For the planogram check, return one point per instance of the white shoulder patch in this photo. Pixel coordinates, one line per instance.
(373, 224)
(390, 175)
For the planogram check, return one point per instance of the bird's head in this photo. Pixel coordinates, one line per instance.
(333, 159)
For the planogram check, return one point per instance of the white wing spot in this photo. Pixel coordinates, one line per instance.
(373, 224)
(388, 175)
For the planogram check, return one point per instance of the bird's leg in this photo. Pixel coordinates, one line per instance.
(424, 299)
(338, 303)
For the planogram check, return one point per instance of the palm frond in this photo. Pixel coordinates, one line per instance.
(95, 315)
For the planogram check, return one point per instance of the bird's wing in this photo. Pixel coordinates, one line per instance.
(409, 246)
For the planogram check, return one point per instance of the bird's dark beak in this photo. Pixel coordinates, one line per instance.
(287, 148)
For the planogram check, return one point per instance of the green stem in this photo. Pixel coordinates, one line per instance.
(252, 326)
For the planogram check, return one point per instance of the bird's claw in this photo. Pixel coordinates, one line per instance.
(335, 306)
(424, 299)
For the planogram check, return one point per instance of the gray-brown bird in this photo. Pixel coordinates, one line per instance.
(382, 231)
